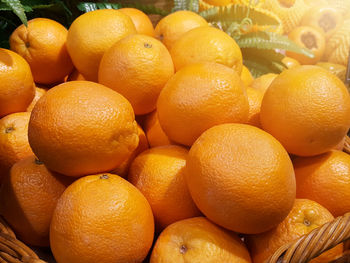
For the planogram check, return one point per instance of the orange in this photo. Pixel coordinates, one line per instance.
(246, 76)
(255, 98)
(198, 97)
(241, 178)
(14, 144)
(159, 174)
(340, 145)
(141, 21)
(80, 127)
(75, 75)
(43, 44)
(198, 240)
(325, 179)
(101, 218)
(154, 132)
(92, 34)
(122, 169)
(307, 109)
(307, 37)
(39, 92)
(324, 18)
(16, 86)
(305, 216)
(137, 67)
(290, 62)
(170, 28)
(28, 197)
(263, 82)
(207, 44)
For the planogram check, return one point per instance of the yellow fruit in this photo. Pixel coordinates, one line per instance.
(290, 62)
(142, 22)
(342, 5)
(246, 76)
(263, 82)
(336, 69)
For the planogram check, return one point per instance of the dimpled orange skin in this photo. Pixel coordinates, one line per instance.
(307, 109)
(198, 97)
(198, 240)
(305, 216)
(43, 45)
(39, 92)
(170, 28)
(255, 98)
(28, 197)
(80, 127)
(92, 34)
(243, 186)
(101, 218)
(206, 44)
(141, 21)
(154, 132)
(325, 179)
(137, 67)
(16, 87)
(14, 144)
(159, 174)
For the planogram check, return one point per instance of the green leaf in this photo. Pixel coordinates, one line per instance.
(192, 5)
(271, 41)
(18, 9)
(148, 9)
(90, 6)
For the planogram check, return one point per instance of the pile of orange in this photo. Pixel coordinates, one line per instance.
(121, 142)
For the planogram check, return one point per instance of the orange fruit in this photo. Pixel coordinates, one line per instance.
(340, 145)
(255, 98)
(198, 97)
(198, 240)
(75, 75)
(263, 82)
(137, 67)
(101, 218)
(159, 174)
(307, 109)
(28, 197)
(43, 44)
(80, 127)
(122, 169)
(324, 18)
(170, 28)
(307, 37)
(17, 86)
(241, 178)
(39, 92)
(141, 21)
(207, 44)
(325, 179)
(154, 132)
(246, 76)
(14, 144)
(290, 62)
(305, 216)
(92, 34)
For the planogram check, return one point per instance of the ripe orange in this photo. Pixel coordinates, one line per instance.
(305, 216)
(207, 44)
(154, 132)
(14, 144)
(307, 109)
(246, 76)
(92, 34)
(290, 62)
(241, 178)
(263, 82)
(75, 75)
(159, 174)
(325, 179)
(43, 44)
(311, 38)
(16, 86)
(141, 21)
(198, 97)
(170, 28)
(122, 169)
(28, 197)
(198, 240)
(39, 92)
(255, 98)
(137, 67)
(80, 127)
(101, 218)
